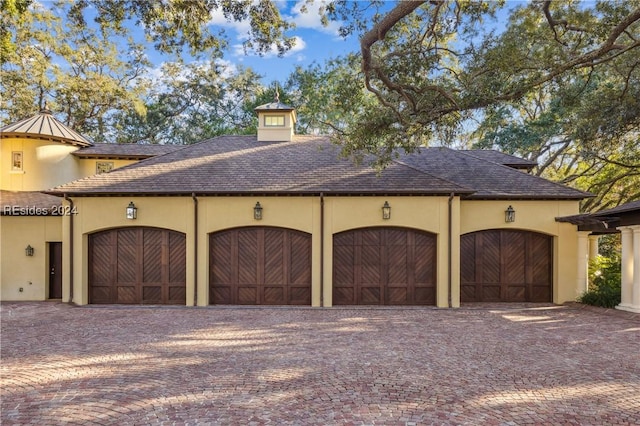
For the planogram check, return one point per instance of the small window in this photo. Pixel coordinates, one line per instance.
(274, 121)
(104, 166)
(16, 160)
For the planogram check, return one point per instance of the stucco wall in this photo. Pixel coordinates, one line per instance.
(27, 272)
(429, 214)
(45, 164)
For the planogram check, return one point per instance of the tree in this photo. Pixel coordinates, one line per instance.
(77, 70)
(190, 103)
(173, 24)
(433, 66)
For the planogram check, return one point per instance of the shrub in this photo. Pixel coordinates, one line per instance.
(604, 282)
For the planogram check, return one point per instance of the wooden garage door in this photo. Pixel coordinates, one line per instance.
(137, 265)
(506, 266)
(260, 266)
(384, 266)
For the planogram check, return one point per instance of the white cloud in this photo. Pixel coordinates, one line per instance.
(311, 18)
(299, 45)
(242, 28)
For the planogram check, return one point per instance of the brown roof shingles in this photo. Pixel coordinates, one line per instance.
(488, 179)
(310, 165)
(240, 164)
(128, 150)
(29, 203)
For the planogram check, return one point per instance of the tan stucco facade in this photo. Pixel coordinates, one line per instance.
(26, 277)
(322, 218)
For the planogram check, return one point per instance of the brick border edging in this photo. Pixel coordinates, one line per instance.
(603, 311)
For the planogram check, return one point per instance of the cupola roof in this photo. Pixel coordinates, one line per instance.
(44, 125)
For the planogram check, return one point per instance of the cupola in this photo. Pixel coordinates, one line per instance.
(276, 121)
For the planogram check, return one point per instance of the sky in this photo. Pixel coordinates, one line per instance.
(314, 42)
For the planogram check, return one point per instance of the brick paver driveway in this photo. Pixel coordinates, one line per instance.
(508, 364)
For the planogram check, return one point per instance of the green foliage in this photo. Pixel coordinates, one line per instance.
(604, 282)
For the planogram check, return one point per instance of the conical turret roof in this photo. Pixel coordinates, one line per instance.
(44, 125)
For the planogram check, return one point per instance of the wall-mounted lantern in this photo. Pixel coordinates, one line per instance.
(29, 250)
(257, 211)
(132, 211)
(509, 214)
(386, 211)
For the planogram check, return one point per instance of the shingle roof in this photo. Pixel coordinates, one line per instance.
(501, 158)
(44, 126)
(311, 165)
(240, 164)
(128, 150)
(622, 208)
(488, 179)
(28, 203)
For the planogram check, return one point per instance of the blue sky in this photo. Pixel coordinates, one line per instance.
(314, 42)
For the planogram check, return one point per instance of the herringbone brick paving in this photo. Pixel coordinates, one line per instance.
(484, 364)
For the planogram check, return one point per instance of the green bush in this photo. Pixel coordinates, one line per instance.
(604, 282)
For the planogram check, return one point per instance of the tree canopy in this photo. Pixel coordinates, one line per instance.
(557, 82)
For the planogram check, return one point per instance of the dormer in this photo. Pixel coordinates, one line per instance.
(276, 122)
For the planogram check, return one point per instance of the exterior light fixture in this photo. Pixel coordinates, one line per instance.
(29, 250)
(132, 211)
(509, 214)
(386, 211)
(257, 211)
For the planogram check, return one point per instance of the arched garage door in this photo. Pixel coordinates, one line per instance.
(384, 266)
(506, 266)
(260, 266)
(137, 265)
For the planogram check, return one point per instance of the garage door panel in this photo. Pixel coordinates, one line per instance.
(424, 296)
(344, 296)
(299, 295)
(370, 295)
(247, 295)
(222, 294)
(132, 265)
(398, 264)
(397, 237)
(371, 237)
(397, 296)
(541, 293)
(516, 293)
(301, 263)
(152, 294)
(177, 259)
(491, 293)
(384, 266)
(425, 268)
(274, 296)
(343, 259)
(127, 294)
(505, 266)
(262, 265)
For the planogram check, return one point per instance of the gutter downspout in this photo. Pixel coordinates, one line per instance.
(195, 251)
(321, 249)
(70, 201)
(450, 251)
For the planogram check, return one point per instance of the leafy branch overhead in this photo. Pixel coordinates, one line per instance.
(434, 64)
(554, 81)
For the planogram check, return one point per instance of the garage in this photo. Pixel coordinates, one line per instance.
(384, 266)
(506, 266)
(137, 266)
(260, 266)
